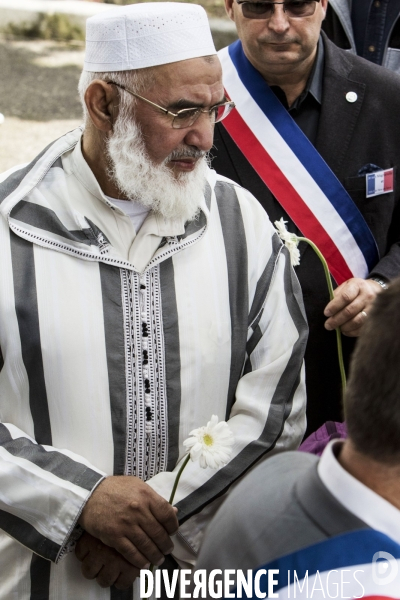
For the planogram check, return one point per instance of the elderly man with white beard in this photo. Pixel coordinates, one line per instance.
(140, 294)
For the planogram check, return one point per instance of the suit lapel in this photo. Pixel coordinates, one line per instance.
(342, 9)
(333, 142)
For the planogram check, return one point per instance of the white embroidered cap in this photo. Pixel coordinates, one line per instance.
(145, 35)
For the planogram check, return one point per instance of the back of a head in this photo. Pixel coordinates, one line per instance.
(372, 400)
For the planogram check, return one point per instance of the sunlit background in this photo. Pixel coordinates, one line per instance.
(41, 56)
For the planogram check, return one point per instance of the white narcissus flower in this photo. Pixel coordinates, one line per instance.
(210, 445)
(291, 241)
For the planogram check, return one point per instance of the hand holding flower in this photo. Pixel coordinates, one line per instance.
(350, 305)
(210, 446)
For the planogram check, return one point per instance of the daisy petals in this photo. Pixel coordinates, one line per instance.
(211, 445)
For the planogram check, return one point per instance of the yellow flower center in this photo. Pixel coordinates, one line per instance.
(207, 439)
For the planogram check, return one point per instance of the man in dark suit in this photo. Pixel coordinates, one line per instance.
(297, 512)
(349, 110)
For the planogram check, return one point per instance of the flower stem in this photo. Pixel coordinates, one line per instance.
(172, 496)
(330, 288)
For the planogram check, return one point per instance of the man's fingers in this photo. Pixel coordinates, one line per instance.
(108, 575)
(127, 514)
(130, 500)
(105, 564)
(118, 573)
(86, 544)
(351, 298)
(91, 566)
(165, 514)
(354, 327)
(344, 295)
(125, 579)
(350, 313)
(146, 546)
(159, 535)
(81, 550)
(353, 333)
(133, 553)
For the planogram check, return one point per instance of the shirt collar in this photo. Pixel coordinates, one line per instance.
(315, 80)
(359, 499)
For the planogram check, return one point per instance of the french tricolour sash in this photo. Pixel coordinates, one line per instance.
(360, 564)
(294, 171)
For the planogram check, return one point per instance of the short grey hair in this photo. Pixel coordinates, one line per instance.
(136, 80)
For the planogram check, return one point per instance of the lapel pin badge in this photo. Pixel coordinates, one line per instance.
(351, 96)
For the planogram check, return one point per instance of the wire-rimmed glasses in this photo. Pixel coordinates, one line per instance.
(186, 117)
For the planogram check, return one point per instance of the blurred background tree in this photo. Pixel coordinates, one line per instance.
(214, 8)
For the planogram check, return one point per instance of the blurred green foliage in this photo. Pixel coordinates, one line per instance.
(214, 8)
(47, 27)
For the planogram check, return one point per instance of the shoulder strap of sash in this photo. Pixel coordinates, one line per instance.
(294, 171)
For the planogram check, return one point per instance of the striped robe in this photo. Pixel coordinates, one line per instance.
(226, 336)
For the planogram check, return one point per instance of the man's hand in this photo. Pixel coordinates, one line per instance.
(346, 309)
(126, 514)
(104, 564)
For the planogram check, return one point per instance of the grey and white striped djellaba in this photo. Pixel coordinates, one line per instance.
(106, 368)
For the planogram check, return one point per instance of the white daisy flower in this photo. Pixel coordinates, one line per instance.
(291, 241)
(210, 445)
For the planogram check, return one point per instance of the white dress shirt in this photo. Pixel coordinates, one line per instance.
(359, 499)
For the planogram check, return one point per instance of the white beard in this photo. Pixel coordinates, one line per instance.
(154, 186)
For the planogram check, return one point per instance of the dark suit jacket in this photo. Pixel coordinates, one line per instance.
(350, 136)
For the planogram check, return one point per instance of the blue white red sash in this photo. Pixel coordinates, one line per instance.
(294, 171)
(360, 564)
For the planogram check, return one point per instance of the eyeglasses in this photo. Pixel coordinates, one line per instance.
(187, 116)
(294, 9)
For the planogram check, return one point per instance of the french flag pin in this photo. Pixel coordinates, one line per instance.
(380, 182)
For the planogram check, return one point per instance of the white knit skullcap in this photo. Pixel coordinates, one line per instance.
(145, 35)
